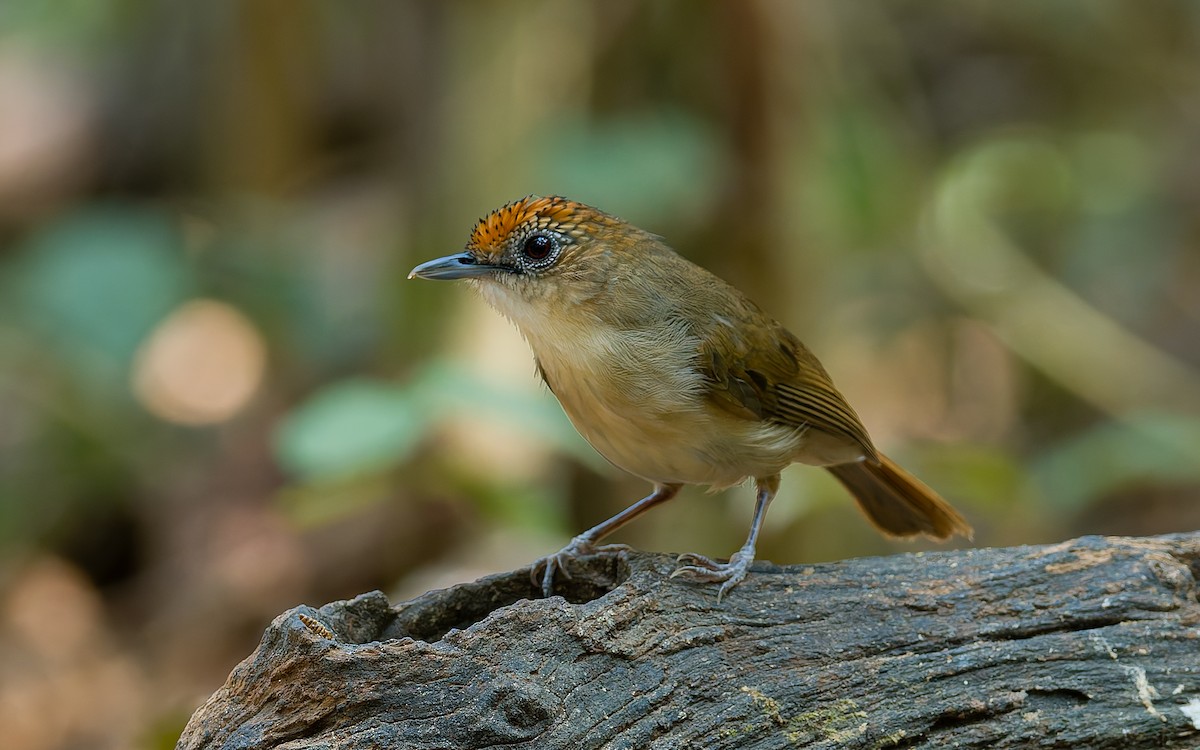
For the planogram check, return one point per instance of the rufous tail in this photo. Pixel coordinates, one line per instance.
(898, 503)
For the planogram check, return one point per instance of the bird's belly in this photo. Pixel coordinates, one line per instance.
(685, 445)
(638, 399)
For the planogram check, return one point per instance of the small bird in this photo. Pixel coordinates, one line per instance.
(673, 375)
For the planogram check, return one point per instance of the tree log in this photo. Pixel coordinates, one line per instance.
(1093, 643)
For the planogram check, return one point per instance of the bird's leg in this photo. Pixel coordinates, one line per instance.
(730, 574)
(585, 543)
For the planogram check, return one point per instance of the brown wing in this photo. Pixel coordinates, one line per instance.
(755, 368)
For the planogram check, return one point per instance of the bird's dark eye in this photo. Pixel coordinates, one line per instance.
(537, 247)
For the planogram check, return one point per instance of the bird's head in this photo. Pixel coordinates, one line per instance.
(537, 252)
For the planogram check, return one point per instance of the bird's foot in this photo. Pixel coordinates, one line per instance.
(706, 570)
(545, 569)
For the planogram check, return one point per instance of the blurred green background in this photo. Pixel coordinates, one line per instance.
(219, 397)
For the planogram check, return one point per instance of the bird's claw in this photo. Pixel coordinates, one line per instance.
(544, 570)
(703, 569)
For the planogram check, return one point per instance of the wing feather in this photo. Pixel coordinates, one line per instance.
(759, 370)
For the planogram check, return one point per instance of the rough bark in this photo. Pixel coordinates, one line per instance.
(1093, 643)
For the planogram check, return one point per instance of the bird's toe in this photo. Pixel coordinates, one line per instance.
(702, 569)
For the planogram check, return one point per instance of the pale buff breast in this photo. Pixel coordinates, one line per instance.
(646, 416)
(638, 399)
(634, 422)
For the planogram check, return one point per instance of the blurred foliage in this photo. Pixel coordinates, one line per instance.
(677, 159)
(92, 285)
(219, 395)
(353, 426)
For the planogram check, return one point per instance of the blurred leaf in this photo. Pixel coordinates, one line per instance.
(860, 189)
(1152, 448)
(163, 730)
(535, 505)
(1116, 170)
(658, 164)
(357, 427)
(95, 283)
(312, 274)
(971, 475)
(329, 498)
(444, 387)
(350, 427)
(71, 22)
(1123, 242)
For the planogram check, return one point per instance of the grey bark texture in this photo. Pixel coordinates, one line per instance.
(1093, 643)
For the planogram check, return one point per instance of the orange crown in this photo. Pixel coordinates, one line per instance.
(554, 212)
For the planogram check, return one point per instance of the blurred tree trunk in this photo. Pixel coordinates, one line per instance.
(745, 233)
(1085, 644)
